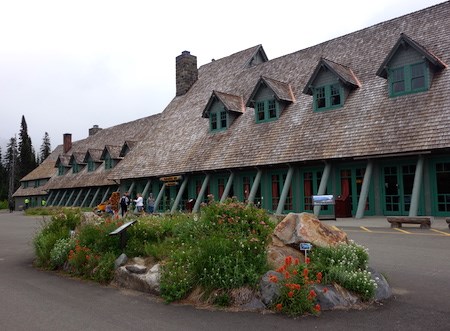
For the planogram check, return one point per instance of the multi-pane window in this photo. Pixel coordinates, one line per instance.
(328, 97)
(267, 110)
(75, 167)
(108, 162)
(408, 79)
(218, 120)
(91, 165)
(61, 170)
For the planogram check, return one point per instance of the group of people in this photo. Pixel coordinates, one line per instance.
(125, 201)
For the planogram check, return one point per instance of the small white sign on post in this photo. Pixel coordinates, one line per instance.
(305, 247)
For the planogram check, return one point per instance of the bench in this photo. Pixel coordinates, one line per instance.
(397, 221)
(448, 222)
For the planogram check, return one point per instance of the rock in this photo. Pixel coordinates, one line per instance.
(335, 297)
(269, 290)
(146, 282)
(136, 269)
(254, 304)
(305, 227)
(277, 252)
(383, 290)
(120, 261)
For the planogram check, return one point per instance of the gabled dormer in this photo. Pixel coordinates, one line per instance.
(222, 109)
(110, 155)
(77, 162)
(258, 57)
(330, 84)
(92, 159)
(62, 163)
(269, 98)
(409, 67)
(127, 147)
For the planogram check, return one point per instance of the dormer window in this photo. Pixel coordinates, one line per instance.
(218, 120)
(222, 109)
(330, 84)
(409, 67)
(108, 162)
(408, 79)
(90, 165)
(61, 169)
(267, 110)
(328, 97)
(269, 98)
(75, 168)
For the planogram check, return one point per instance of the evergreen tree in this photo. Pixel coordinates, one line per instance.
(12, 166)
(3, 179)
(46, 148)
(27, 156)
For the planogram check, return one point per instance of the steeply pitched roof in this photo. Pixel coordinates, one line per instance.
(113, 151)
(404, 39)
(282, 91)
(78, 157)
(370, 122)
(342, 72)
(233, 103)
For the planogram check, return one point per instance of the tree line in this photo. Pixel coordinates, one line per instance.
(19, 159)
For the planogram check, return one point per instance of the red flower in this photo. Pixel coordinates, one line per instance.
(279, 306)
(317, 308)
(273, 278)
(319, 276)
(280, 269)
(325, 290)
(307, 260)
(295, 272)
(291, 294)
(296, 261)
(288, 260)
(305, 273)
(287, 275)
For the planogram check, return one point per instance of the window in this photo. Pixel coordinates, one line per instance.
(108, 162)
(37, 183)
(408, 79)
(218, 120)
(25, 184)
(91, 165)
(75, 168)
(267, 110)
(61, 170)
(328, 97)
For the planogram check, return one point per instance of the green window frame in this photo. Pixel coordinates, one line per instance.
(267, 110)
(37, 183)
(108, 162)
(411, 78)
(328, 97)
(90, 165)
(75, 167)
(25, 184)
(61, 170)
(218, 120)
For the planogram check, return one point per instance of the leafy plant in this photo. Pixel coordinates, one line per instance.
(60, 252)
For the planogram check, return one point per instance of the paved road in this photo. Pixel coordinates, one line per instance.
(417, 265)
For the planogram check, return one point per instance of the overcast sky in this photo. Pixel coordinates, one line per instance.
(67, 65)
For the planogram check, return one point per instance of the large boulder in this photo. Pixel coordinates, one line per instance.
(138, 277)
(306, 227)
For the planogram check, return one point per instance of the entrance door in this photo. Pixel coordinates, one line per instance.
(311, 182)
(397, 188)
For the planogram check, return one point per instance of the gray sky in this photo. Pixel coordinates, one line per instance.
(67, 65)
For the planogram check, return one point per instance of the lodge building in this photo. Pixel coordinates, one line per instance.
(364, 117)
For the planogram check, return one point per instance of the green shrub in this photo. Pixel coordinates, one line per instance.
(4, 204)
(43, 244)
(104, 271)
(223, 249)
(60, 252)
(96, 237)
(347, 266)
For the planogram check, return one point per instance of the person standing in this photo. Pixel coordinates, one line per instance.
(139, 203)
(27, 202)
(124, 202)
(150, 204)
(11, 205)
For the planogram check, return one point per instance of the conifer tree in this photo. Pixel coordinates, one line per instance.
(12, 165)
(27, 156)
(46, 148)
(3, 179)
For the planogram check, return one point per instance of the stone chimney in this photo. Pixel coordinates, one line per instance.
(94, 130)
(67, 142)
(186, 72)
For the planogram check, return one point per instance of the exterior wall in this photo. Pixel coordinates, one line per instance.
(405, 56)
